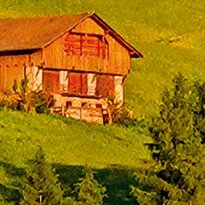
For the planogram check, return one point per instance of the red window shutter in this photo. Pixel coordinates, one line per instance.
(74, 83)
(92, 45)
(84, 83)
(84, 45)
(51, 81)
(72, 44)
(77, 84)
(105, 86)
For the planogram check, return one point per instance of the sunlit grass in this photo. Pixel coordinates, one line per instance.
(70, 142)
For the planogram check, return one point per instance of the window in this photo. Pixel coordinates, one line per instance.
(105, 86)
(51, 81)
(77, 84)
(86, 45)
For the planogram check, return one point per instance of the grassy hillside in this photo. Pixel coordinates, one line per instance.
(68, 142)
(171, 36)
(169, 33)
(113, 151)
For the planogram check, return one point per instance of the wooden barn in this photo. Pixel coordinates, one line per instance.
(78, 58)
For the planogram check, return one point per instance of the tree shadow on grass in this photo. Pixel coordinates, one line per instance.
(10, 192)
(115, 178)
(12, 170)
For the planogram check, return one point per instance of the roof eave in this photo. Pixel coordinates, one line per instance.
(134, 53)
(67, 30)
(20, 50)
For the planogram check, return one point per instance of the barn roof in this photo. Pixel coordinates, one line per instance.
(37, 32)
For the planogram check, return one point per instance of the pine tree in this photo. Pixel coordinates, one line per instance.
(40, 185)
(88, 190)
(178, 177)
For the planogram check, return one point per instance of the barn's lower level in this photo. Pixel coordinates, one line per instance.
(79, 95)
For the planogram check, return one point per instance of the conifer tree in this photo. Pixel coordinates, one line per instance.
(40, 185)
(178, 177)
(88, 190)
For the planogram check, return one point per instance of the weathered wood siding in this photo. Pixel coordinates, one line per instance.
(35, 59)
(89, 26)
(119, 58)
(117, 62)
(13, 67)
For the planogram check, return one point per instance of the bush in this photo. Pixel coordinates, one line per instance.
(118, 113)
(25, 99)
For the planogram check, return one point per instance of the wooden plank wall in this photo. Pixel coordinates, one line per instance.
(12, 67)
(118, 61)
(119, 58)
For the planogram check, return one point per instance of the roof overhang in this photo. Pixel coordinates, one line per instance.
(134, 53)
(19, 51)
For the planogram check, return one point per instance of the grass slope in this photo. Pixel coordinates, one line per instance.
(68, 142)
(171, 36)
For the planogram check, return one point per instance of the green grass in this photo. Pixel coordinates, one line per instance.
(171, 36)
(114, 151)
(68, 142)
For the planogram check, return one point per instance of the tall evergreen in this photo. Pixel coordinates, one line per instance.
(178, 176)
(40, 185)
(88, 190)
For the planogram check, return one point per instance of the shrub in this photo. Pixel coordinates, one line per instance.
(25, 99)
(118, 113)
